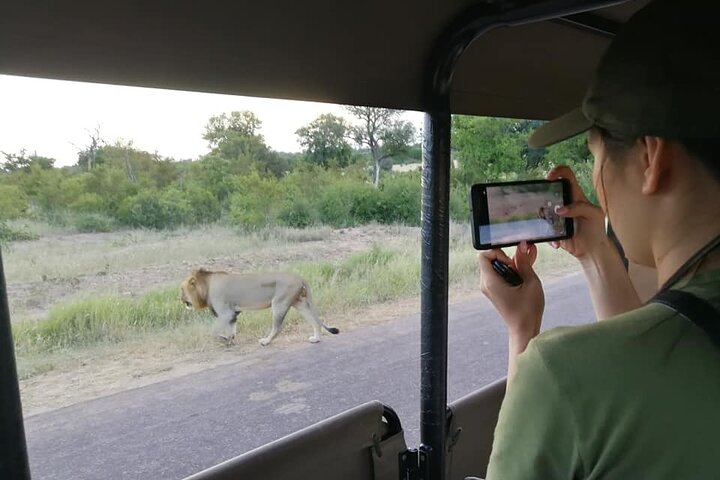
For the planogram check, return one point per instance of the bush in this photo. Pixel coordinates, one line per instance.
(400, 200)
(88, 203)
(247, 211)
(152, 210)
(93, 222)
(203, 206)
(8, 234)
(13, 202)
(460, 203)
(298, 214)
(256, 202)
(348, 203)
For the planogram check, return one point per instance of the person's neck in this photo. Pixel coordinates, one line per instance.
(682, 241)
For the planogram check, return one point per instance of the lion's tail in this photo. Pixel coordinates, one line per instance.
(308, 296)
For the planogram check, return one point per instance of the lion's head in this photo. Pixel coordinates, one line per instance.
(194, 290)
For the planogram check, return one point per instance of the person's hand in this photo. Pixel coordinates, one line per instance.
(522, 306)
(589, 219)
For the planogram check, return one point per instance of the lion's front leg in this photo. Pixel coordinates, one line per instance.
(226, 326)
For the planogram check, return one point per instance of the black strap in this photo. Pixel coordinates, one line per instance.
(695, 309)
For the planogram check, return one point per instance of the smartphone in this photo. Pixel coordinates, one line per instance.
(506, 213)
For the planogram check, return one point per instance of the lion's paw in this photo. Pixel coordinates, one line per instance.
(314, 339)
(264, 342)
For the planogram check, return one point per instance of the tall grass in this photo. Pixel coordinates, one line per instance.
(107, 319)
(365, 278)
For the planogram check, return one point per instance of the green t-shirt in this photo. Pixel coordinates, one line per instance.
(632, 397)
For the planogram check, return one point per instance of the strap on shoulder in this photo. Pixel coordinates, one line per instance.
(695, 309)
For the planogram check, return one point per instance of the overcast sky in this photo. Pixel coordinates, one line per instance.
(49, 117)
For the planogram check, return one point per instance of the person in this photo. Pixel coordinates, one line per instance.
(636, 395)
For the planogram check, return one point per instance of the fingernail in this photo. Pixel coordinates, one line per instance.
(561, 210)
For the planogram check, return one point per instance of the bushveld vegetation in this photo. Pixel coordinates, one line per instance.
(244, 185)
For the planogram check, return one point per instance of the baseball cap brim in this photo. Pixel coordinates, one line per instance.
(571, 124)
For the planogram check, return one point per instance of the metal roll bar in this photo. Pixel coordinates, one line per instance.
(435, 200)
(14, 459)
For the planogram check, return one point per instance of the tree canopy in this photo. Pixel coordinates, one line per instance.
(240, 180)
(381, 131)
(325, 141)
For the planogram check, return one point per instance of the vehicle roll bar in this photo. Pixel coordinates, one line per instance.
(13, 459)
(466, 28)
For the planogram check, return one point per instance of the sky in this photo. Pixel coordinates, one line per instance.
(53, 118)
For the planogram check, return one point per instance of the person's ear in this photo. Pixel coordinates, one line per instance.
(657, 157)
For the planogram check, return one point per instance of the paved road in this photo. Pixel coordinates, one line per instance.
(175, 428)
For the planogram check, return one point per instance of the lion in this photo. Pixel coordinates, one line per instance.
(229, 294)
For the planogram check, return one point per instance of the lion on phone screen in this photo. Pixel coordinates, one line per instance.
(229, 294)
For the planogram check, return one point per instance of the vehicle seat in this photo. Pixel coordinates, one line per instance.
(362, 443)
(471, 427)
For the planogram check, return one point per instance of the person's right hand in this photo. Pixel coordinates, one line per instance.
(589, 219)
(522, 306)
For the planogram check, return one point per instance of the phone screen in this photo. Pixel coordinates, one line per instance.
(507, 213)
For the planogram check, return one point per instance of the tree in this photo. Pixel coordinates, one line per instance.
(235, 137)
(221, 129)
(144, 168)
(88, 155)
(325, 141)
(23, 162)
(574, 153)
(382, 132)
(488, 149)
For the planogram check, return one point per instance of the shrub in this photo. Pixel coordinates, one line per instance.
(400, 200)
(93, 222)
(460, 203)
(88, 203)
(348, 203)
(202, 205)
(8, 234)
(13, 202)
(152, 210)
(247, 211)
(256, 202)
(298, 214)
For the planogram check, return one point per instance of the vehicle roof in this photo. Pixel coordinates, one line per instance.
(374, 52)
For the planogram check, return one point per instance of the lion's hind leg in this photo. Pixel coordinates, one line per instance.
(279, 310)
(308, 313)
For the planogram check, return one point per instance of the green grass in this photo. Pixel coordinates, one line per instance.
(107, 319)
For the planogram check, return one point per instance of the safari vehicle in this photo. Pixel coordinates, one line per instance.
(507, 58)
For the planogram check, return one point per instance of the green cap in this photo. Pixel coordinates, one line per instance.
(660, 76)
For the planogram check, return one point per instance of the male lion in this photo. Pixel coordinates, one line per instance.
(229, 294)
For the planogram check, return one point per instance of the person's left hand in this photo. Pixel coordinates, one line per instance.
(522, 306)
